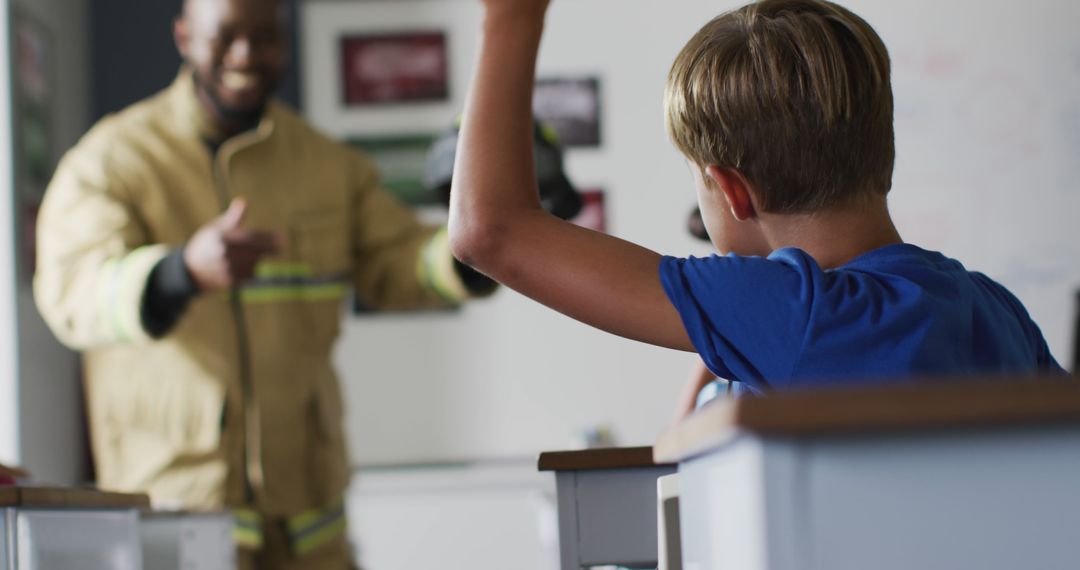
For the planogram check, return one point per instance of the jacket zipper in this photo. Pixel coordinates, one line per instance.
(253, 470)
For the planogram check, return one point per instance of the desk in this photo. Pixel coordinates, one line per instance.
(606, 505)
(51, 528)
(940, 476)
(183, 540)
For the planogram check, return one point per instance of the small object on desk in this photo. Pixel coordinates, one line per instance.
(596, 436)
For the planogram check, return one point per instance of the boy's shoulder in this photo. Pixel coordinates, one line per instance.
(897, 258)
(901, 273)
(902, 255)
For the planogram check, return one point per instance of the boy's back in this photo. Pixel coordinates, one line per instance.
(895, 312)
(784, 111)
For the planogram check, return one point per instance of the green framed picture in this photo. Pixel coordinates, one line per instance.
(401, 159)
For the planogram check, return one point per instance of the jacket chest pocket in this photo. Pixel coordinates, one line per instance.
(322, 242)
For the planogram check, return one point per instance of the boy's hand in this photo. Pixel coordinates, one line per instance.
(525, 8)
(224, 253)
(510, 15)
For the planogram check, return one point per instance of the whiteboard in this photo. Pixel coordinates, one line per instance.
(988, 159)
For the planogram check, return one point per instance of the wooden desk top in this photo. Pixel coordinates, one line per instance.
(943, 404)
(70, 497)
(599, 458)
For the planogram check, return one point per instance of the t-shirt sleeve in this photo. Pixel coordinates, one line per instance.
(747, 316)
(1040, 350)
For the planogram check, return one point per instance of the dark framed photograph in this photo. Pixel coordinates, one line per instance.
(389, 68)
(401, 160)
(593, 213)
(572, 107)
(33, 95)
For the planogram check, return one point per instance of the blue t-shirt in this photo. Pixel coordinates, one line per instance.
(892, 313)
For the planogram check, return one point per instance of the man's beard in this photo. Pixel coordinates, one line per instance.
(243, 119)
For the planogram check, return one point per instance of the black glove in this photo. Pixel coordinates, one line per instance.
(557, 195)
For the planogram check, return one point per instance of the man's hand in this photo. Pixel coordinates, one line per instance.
(224, 253)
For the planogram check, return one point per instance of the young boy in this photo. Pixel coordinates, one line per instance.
(783, 109)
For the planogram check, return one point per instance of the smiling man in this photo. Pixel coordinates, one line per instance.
(237, 52)
(197, 247)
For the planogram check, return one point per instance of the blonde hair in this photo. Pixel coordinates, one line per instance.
(795, 95)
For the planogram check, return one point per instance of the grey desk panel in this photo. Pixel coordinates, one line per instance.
(187, 541)
(74, 539)
(995, 499)
(608, 516)
(6, 553)
(999, 499)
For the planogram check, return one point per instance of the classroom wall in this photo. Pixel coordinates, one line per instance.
(405, 518)
(51, 437)
(9, 443)
(988, 128)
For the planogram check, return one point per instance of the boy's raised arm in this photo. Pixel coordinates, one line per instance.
(497, 224)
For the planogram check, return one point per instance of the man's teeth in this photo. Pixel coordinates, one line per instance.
(236, 80)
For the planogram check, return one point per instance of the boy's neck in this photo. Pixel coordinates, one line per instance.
(836, 236)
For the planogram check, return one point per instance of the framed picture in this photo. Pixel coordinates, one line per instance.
(28, 239)
(33, 91)
(593, 214)
(401, 159)
(33, 104)
(572, 107)
(394, 68)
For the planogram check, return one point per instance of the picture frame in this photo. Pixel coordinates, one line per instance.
(401, 160)
(593, 214)
(394, 68)
(33, 87)
(572, 106)
(33, 149)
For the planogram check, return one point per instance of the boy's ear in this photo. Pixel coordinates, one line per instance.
(736, 190)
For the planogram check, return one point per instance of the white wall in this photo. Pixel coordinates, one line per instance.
(988, 128)
(409, 517)
(9, 392)
(49, 411)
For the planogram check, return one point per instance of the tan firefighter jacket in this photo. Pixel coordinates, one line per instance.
(238, 404)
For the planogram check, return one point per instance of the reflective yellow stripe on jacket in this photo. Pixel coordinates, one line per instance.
(311, 529)
(276, 282)
(120, 290)
(307, 531)
(247, 529)
(436, 269)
